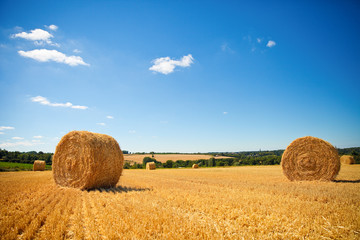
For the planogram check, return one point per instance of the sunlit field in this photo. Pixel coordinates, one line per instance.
(138, 158)
(256, 202)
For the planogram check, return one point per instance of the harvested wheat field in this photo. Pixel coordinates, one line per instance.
(138, 158)
(210, 203)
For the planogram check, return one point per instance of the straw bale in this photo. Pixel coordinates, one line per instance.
(87, 160)
(310, 158)
(195, 165)
(347, 159)
(39, 165)
(150, 166)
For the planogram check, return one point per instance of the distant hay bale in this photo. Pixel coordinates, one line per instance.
(195, 165)
(150, 166)
(87, 160)
(310, 158)
(347, 159)
(39, 165)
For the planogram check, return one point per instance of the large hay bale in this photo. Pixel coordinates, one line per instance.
(39, 165)
(347, 159)
(195, 165)
(310, 158)
(87, 160)
(150, 166)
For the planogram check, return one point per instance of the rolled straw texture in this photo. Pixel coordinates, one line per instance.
(310, 158)
(87, 160)
(347, 159)
(39, 165)
(150, 166)
(195, 165)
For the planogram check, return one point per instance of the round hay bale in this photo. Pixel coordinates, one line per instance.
(310, 158)
(150, 166)
(87, 160)
(195, 165)
(347, 159)
(39, 165)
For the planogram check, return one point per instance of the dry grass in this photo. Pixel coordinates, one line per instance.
(138, 158)
(210, 203)
(87, 160)
(310, 158)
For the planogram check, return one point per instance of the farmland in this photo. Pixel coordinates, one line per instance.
(138, 158)
(254, 202)
(9, 166)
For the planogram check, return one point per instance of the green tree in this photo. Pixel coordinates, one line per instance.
(169, 164)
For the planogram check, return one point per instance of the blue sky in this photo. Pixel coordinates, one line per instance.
(180, 76)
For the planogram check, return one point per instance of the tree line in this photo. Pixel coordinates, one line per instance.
(237, 158)
(25, 157)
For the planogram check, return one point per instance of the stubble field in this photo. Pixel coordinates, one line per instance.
(213, 203)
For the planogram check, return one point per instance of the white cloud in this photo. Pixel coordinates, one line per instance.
(77, 51)
(53, 27)
(1, 133)
(45, 55)
(101, 124)
(16, 144)
(225, 113)
(35, 35)
(17, 138)
(6, 128)
(38, 36)
(38, 137)
(110, 117)
(271, 44)
(165, 65)
(44, 101)
(259, 40)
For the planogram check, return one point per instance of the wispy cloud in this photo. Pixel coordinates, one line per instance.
(76, 51)
(259, 40)
(271, 44)
(1, 133)
(225, 113)
(45, 101)
(132, 131)
(165, 65)
(101, 124)
(110, 117)
(17, 138)
(53, 27)
(225, 48)
(45, 55)
(2, 128)
(38, 137)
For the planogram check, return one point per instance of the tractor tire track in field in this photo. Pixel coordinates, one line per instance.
(20, 218)
(36, 219)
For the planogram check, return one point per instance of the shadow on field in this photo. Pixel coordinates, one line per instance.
(347, 181)
(120, 189)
